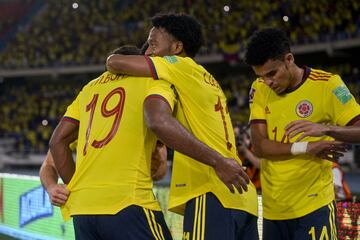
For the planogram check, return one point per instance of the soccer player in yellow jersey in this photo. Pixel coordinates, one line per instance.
(58, 193)
(111, 187)
(211, 210)
(296, 177)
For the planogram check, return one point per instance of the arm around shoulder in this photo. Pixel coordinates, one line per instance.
(135, 65)
(158, 117)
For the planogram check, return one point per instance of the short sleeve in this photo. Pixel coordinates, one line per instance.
(342, 105)
(72, 113)
(163, 90)
(256, 102)
(162, 67)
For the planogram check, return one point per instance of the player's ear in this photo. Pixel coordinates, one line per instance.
(177, 48)
(289, 58)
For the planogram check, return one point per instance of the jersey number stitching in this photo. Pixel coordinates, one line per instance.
(220, 108)
(117, 111)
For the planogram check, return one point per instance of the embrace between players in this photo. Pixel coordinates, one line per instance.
(117, 124)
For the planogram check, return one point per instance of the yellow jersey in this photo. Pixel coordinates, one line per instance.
(203, 111)
(114, 145)
(300, 184)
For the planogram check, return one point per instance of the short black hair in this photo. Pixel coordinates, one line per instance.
(127, 50)
(184, 28)
(266, 44)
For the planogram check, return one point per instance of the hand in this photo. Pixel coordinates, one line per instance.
(159, 162)
(330, 150)
(232, 174)
(307, 128)
(58, 194)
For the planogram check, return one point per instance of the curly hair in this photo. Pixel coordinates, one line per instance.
(184, 28)
(266, 44)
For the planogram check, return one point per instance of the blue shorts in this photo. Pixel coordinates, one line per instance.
(131, 223)
(319, 225)
(206, 218)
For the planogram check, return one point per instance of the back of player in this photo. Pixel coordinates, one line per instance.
(207, 117)
(200, 192)
(113, 173)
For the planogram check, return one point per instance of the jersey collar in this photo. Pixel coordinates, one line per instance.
(306, 74)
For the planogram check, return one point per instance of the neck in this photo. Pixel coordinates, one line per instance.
(182, 54)
(297, 76)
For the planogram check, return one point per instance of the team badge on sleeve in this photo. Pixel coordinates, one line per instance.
(342, 93)
(304, 109)
(251, 95)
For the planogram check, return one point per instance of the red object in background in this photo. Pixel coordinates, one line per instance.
(254, 175)
(348, 216)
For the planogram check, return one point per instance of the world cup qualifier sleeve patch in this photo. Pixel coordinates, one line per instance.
(342, 93)
(171, 59)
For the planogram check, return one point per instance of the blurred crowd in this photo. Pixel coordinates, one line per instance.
(68, 33)
(30, 109)
(65, 33)
(11, 13)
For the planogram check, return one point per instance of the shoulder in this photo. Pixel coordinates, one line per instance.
(320, 75)
(258, 89)
(173, 60)
(166, 59)
(260, 85)
(330, 80)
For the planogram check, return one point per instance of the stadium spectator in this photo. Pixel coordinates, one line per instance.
(37, 45)
(250, 161)
(197, 190)
(341, 188)
(32, 111)
(11, 13)
(284, 92)
(30, 101)
(111, 188)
